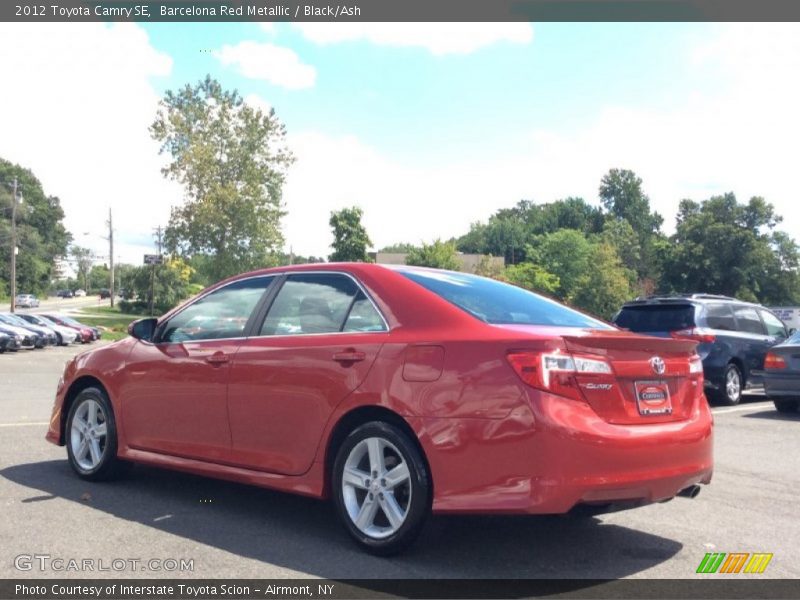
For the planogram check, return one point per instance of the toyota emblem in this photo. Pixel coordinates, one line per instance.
(658, 365)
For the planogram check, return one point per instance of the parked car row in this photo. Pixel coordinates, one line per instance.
(30, 331)
(740, 343)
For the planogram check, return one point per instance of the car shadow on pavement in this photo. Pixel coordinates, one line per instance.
(303, 534)
(773, 415)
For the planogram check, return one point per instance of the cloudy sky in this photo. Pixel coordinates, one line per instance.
(426, 127)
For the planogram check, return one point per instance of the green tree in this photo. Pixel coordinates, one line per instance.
(439, 255)
(99, 277)
(567, 254)
(172, 286)
(350, 239)
(531, 277)
(399, 248)
(231, 159)
(607, 284)
(510, 230)
(724, 247)
(621, 194)
(83, 260)
(41, 235)
(619, 234)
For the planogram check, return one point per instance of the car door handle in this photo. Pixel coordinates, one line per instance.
(349, 356)
(218, 358)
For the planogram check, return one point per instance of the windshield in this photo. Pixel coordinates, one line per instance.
(499, 303)
(16, 320)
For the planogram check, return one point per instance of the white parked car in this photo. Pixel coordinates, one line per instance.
(26, 301)
(80, 293)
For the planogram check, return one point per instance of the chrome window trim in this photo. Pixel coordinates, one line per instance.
(286, 274)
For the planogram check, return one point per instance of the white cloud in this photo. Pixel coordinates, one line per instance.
(274, 64)
(402, 203)
(437, 38)
(77, 102)
(257, 101)
(741, 137)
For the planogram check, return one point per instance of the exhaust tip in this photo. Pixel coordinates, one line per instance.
(690, 492)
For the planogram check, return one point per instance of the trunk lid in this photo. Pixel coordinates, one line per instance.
(651, 379)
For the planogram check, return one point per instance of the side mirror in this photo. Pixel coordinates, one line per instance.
(143, 329)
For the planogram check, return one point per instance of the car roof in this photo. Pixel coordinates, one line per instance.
(700, 299)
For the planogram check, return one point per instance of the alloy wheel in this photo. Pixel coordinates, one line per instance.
(733, 385)
(376, 487)
(88, 434)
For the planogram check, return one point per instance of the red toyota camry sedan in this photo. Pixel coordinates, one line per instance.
(395, 391)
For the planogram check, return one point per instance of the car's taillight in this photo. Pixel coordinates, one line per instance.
(773, 361)
(696, 334)
(695, 365)
(554, 371)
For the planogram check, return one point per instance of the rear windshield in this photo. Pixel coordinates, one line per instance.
(656, 317)
(500, 303)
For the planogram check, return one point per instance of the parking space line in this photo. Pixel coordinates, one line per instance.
(25, 424)
(758, 406)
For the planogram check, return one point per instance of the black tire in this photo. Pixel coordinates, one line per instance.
(413, 496)
(723, 395)
(108, 466)
(786, 406)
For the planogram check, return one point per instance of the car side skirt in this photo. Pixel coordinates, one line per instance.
(308, 484)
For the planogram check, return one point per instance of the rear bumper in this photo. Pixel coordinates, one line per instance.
(560, 455)
(782, 386)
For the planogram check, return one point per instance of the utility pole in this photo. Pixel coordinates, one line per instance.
(158, 232)
(111, 256)
(14, 246)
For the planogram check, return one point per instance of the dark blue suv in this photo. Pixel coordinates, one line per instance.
(733, 336)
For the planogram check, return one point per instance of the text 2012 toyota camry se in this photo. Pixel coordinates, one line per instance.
(396, 391)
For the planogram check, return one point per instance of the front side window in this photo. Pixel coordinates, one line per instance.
(774, 325)
(499, 303)
(219, 315)
(748, 320)
(320, 303)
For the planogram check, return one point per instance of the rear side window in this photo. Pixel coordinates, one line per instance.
(748, 320)
(656, 317)
(774, 325)
(499, 303)
(720, 316)
(320, 303)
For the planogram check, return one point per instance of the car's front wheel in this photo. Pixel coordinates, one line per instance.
(91, 436)
(787, 406)
(381, 487)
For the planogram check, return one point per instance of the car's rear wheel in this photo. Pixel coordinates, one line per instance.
(730, 392)
(787, 406)
(381, 487)
(91, 436)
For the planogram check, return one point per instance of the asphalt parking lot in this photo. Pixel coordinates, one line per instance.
(230, 530)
